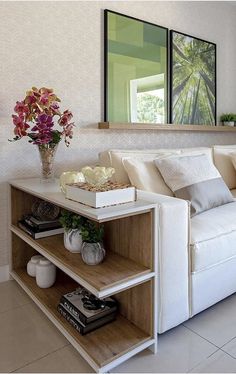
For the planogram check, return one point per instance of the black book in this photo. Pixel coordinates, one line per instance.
(79, 326)
(74, 302)
(41, 233)
(41, 225)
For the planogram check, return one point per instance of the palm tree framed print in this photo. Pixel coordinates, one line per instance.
(192, 80)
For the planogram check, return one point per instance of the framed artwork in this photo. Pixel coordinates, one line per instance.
(136, 66)
(192, 80)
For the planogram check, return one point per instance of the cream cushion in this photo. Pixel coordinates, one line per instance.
(144, 175)
(233, 159)
(213, 237)
(223, 162)
(115, 158)
(233, 192)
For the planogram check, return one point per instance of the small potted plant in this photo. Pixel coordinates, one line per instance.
(73, 224)
(228, 119)
(92, 251)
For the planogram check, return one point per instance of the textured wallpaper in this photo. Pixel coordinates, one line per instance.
(60, 45)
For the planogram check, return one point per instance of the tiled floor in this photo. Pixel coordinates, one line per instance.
(29, 343)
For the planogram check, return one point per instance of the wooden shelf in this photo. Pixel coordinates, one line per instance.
(161, 127)
(103, 345)
(128, 272)
(102, 279)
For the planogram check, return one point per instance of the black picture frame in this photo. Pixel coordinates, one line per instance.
(171, 75)
(106, 94)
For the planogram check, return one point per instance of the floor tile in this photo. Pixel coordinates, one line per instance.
(65, 360)
(230, 348)
(179, 351)
(216, 324)
(12, 296)
(26, 335)
(219, 362)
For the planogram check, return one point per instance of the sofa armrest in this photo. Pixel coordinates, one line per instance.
(173, 259)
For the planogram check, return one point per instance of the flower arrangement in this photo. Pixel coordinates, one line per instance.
(36, 118)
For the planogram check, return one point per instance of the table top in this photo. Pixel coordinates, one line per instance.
(50, 191)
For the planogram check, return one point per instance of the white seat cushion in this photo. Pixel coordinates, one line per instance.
(213, 237)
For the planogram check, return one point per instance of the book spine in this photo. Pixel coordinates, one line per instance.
(88, 328)
(26, 229)
(41, 227)
(73, 310)
(70, 319)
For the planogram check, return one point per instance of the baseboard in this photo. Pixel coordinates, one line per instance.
(4, 273)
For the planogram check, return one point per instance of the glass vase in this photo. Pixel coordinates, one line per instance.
(47, 154)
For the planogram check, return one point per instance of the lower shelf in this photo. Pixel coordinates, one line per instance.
(100, 347)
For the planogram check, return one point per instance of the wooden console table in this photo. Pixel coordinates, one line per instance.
(128, 273)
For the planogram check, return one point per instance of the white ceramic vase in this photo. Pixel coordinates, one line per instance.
(230, 123)
(73, 240)
(92, 253)
(45, 273)
(31, 266)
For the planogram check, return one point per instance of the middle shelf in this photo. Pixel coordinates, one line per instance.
(116, 273)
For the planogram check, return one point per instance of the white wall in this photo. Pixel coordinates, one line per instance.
(60, 45)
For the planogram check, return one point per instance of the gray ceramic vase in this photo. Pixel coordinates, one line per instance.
(92, 253)
(73, 240)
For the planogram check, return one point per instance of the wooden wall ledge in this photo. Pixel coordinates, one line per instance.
(167, 127)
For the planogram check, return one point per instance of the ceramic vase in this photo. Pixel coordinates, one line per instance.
(73, 240)
(92, 253)
(45, 273)
(229, 123)
(31, 266)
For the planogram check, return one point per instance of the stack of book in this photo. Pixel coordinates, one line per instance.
(85, 312)
(40, 229)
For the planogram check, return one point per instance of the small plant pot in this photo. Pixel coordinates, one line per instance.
(73, 240)
(92, 253)
(231, 123)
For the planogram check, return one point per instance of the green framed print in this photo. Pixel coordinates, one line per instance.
(192, 80)
(136, 69)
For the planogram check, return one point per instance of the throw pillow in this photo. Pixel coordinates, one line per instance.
(195, 178)
(144, 175)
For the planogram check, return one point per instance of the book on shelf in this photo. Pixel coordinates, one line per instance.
(39, 233)
(79, 325)
(41, 225)
(77, 300)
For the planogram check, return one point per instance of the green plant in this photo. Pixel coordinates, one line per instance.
(228, 117)
(92, 233)
(70, 220)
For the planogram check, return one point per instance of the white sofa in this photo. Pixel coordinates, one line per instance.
(197, 256)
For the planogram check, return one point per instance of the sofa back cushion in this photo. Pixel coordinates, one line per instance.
(115, 158)
(195, 178)
(223, 162)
